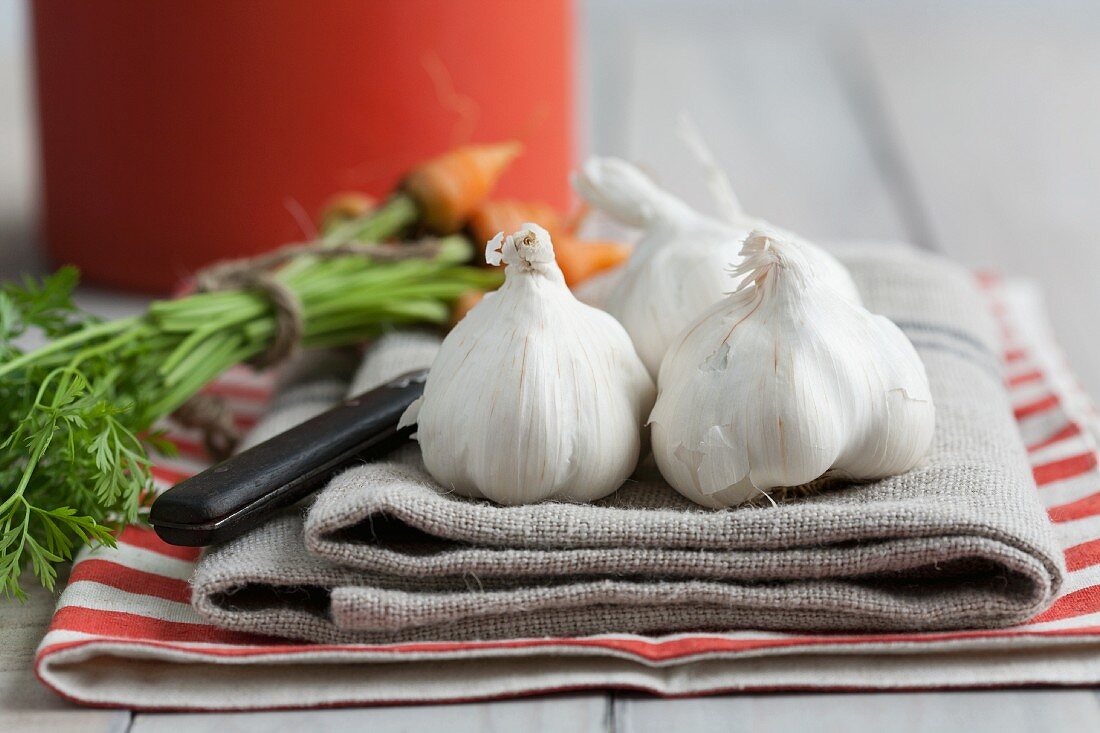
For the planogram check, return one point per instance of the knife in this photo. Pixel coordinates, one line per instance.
(239, 493)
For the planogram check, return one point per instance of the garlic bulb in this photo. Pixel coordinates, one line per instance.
(784, 381)
(533, 395)
(681, 265)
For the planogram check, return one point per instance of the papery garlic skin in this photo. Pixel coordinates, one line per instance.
(676, 271)
(784, 381)
(595, 290)
(533, 395)
(681, 265)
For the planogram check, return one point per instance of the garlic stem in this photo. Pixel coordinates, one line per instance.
(717, 180)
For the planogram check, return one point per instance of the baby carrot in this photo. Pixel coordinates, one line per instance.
(344, 207)
(580, 259)
(509, 216)
(449, 188)
(438, 195)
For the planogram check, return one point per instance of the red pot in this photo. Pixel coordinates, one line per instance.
(175, 134)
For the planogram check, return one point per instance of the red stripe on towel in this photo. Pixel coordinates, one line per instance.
(188, 446)
(244, 422)
(171, 476)
(1065, 468)
(130, 580)
(1070, 431)
(1076, 603)
(1034, 408)
(1087, 507)
(1084, 555)
(120, 625)
(987, 279)
(1027, 377)
(146, 539)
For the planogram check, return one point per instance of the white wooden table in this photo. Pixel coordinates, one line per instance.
(971, 129)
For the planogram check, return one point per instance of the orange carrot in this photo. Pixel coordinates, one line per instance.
(464, 304)
(508, 216)
(346, 206)
(580, 259)
(449, 188)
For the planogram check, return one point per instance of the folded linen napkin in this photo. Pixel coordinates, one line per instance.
(959, 542)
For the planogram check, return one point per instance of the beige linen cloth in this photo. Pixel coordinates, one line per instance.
(385, 554)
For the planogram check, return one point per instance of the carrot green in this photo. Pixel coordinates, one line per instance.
(78, 415)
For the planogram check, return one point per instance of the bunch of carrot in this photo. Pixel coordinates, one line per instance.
(448, 195)
(451, 192)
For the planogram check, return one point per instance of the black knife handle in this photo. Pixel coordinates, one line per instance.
(235, 495)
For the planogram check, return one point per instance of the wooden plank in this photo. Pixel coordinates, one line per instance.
(995, 113)
(946, 712)
(568, 714)
(25, 704)
(763, 88)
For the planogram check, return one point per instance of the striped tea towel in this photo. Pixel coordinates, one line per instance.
(125, 635)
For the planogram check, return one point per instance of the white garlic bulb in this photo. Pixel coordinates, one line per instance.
(784, 381)
(533, 395)
(681, 265)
